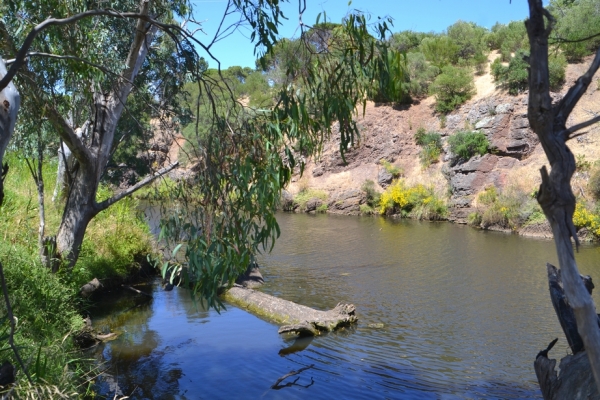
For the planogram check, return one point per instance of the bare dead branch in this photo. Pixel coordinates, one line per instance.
(562, 40)
(569, 132)
(566, 105)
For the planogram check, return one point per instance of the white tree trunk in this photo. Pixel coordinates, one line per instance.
(10, 101)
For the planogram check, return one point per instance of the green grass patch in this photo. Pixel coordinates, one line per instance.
(372, 198)
(509, 209)
(431, 143)
(303, 196)
(394, 170)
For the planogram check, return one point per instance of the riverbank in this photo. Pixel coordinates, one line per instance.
(494, 189)
(48, 306)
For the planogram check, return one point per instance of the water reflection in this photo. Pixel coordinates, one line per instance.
(298, 344)
(446, 312)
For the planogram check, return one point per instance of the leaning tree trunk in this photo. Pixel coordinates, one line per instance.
(93, 154)
(555, 196)
(80, 208)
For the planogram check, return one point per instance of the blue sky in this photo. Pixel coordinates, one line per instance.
(417, 15)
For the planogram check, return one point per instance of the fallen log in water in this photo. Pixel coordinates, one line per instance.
(297, 318)
(575, 380)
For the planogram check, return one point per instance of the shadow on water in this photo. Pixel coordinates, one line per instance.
(446, 312)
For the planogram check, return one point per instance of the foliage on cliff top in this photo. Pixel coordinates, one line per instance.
(451, 88)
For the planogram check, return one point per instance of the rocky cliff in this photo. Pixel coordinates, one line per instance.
(387, 133)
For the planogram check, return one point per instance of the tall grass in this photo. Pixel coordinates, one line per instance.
(47, 306)
(511, 208)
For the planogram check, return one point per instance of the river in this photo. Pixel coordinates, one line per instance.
(446, 312)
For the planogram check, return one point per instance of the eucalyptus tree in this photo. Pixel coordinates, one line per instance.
(248, 156)
(106, 55)
(80, 71)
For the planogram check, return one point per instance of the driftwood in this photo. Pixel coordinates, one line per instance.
(90, 287)
(136, 290)
(299, 319)
(575, 380)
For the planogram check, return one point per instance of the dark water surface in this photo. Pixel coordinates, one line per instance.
(464, 313)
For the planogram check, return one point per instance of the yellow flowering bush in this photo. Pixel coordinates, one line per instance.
(417, 201)
(586, 218)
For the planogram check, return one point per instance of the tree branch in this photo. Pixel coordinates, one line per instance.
(575, 128)
(566, 105)
(109, 113)
(19, 60)
(108, 202)
(68, 135)
(67, 57)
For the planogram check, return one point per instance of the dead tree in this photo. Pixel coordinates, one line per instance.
(555, 196)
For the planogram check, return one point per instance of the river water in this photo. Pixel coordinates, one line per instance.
(446, 312)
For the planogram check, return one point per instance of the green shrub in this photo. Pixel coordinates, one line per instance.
(468, 36)
(510, 209)
(451, 88)
(557, 66)
(474, 219)
(420, 75)
(394, 170)
(440, 51)
(466, 144)
(431, 143)
(423, 138)
(515, 76)
(322, 208)
(480, 60)
(594, 182)
(577, 20)
(306, 194)
(407, 41)
(581, 163)
(508, 38)
(429, 154)
(371, 194)
(367, 209)
(443, 120)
